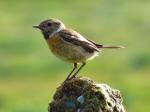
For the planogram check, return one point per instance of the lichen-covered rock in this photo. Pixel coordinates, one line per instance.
(84, 95)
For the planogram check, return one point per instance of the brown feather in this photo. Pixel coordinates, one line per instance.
(106, 46)
(75, 38)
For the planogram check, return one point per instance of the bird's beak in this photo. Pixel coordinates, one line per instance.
(36, 26)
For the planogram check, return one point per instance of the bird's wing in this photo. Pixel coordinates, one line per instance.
(97, 45)
(75, 38)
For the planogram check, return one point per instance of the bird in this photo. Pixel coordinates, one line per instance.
(69, 45)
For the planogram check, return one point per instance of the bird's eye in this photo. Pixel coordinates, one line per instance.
(49, 24)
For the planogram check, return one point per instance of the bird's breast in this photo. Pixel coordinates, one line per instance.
(54, 43)
(66, 51)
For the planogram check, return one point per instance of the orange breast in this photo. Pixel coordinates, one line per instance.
(54, 43)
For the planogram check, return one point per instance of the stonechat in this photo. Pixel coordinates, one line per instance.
(69, 45)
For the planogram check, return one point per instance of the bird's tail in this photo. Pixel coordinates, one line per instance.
(106, 46)
(109, 46)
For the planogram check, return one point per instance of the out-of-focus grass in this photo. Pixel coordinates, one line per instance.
(29, 73)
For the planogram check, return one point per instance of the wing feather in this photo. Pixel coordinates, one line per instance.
(75, 38)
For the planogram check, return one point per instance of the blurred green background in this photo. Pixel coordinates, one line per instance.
(30, 74)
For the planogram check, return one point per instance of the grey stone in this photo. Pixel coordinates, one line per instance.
(86, 95)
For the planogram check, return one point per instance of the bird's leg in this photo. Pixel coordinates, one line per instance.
(74, 75)
(75, 66)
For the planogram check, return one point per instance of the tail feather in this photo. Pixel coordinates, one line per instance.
(106, 46)
(109, 46)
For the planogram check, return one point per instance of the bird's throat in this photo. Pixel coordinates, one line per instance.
(46, 35)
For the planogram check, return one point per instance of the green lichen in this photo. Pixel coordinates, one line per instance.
(95, 97)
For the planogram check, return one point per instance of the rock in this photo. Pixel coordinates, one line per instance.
(85, 95)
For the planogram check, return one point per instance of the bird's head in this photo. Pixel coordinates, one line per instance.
(50, 26)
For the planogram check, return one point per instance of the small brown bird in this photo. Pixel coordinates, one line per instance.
(69, 45)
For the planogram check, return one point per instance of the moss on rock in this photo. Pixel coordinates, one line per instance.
(85, 95)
